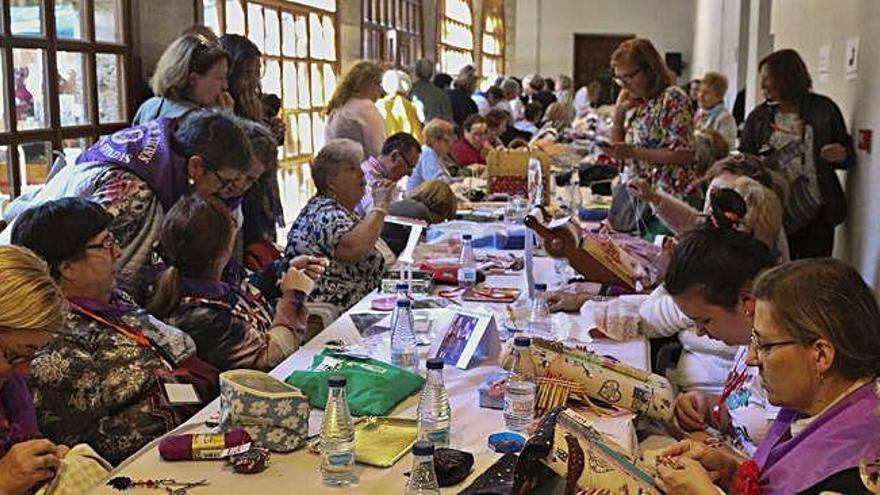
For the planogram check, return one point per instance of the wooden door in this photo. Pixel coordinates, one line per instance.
(592, 65)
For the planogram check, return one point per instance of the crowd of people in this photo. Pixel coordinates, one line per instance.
(152, 258)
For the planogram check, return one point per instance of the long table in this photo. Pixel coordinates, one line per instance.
(299, 471)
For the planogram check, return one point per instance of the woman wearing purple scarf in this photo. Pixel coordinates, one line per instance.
(138, 174)
(816, 343)
(30, 311)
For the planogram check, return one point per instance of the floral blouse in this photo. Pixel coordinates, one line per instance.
(231, 325)
(316, 232)
(665, 121)
(94, 385)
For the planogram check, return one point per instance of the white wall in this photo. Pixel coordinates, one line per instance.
(805, 25)
(546, 28)
(717, 30)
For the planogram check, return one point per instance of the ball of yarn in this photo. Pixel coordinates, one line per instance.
(180, 447)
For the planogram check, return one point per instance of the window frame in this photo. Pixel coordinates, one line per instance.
(287, 162)
(50, 45)
(494, 7)
(441, 46)
(379, 18)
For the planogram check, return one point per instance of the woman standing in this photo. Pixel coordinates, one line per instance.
(190, 74)
(653, 129)
(352, 112)
(806, 135)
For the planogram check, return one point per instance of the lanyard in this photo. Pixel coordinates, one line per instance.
(132, 333)
(735, 379)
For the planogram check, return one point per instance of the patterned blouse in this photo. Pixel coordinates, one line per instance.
(316, 232)
(230, 325)
(94, 385)
(663, 122)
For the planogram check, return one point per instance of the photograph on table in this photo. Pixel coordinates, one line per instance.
(469, 335)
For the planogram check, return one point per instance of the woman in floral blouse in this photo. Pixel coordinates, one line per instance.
(232, 325)
(328, 226)
(653, 123)
(100, 382)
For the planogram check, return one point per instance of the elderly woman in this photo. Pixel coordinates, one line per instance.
(653, 126)
(231, 326)
(439, 135)
(816, 342)
(352, 113)
(102, 381)
(793, 117)
(328, 227)
(190, 74)
(31, 310)
(470, 150)
(138, 174)
(433, 201)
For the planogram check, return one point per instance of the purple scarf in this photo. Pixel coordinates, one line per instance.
(20, 413)
(835, 441)
(145, 150)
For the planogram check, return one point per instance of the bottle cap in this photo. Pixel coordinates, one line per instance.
(506, 442)
(401, 286)
(403, 303)
(540, 286)
(434, 364)
(423, 447)
(521, 341)
(466, 237)
(336, 381)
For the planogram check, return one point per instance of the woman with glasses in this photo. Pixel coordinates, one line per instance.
(653, 127)
(103, 380)
(31, 310)
(816, 345)
(190, 74)
(352, 111)
(710, 280)
(232, 325)
(138, 174)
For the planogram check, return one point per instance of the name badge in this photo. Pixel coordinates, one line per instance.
(181, 394)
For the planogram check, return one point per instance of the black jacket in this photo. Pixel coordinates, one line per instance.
(462, 105)
(823, 115)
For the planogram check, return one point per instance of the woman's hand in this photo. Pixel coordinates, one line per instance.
(640, 188)
(719, 462)
(383, 191)
(225, 101)
(296, 279)
(26, 464)
(691, 410)
(687, 477)
(833, 153)
(313, 266)
(619, 150)
(626, 101)
(566, 301)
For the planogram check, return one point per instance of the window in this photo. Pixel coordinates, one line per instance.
(392, 31)
(300, 65)
(456, 36)
(64, 64)
(493, 40)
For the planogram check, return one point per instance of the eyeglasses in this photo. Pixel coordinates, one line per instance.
(108, 243)
(409, 164)
(763, 349)
(225, 184)
(14, 358)
(626, 78)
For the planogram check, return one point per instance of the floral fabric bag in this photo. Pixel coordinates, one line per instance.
(275, 414)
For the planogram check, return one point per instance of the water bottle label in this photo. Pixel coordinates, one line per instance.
(439, 437)
(519, 406)
(467, 275)
(342, 459)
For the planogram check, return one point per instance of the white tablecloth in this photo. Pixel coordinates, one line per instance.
(299, 472)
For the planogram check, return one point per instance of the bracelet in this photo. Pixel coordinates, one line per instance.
(379, 209)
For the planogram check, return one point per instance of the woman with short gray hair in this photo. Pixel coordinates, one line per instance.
(328, 226)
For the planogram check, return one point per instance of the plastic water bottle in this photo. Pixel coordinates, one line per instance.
(539, 321)
(337, 437)
(467, 263)
(402, 290)
(520, 388)
(422, 478)
(434, 413)
(403, 338)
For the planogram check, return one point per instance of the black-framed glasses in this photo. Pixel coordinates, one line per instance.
(225, 184)
(409, 164)
(14, 357)
(109, 242)
(763, 349)
(625, 78)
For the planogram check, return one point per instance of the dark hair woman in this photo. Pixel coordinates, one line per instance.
(806, 136)
(100, 382)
